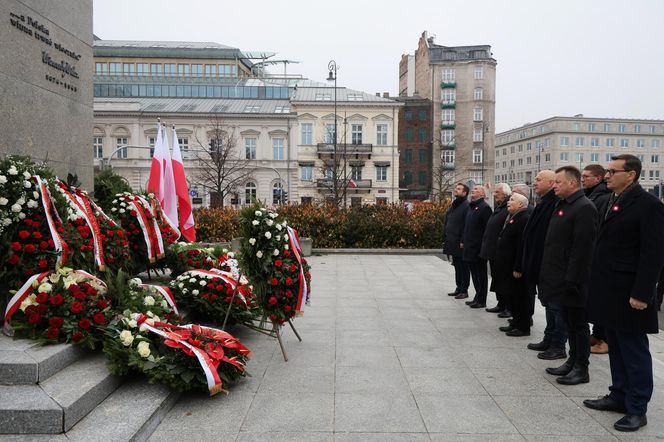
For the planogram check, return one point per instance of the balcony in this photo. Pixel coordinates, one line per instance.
(447, 166)
(448, 105)
(447, 146)
(347, 150)
(327, 185)
(448, 84)
(447, 125)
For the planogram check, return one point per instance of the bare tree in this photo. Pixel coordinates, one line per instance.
(335, 171)
(222, 166)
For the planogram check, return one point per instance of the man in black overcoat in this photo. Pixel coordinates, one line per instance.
(628, 258)
(592, 179)
(568, 252)
(455, 221)
(471, 243)
(552, 345)
(494, 225)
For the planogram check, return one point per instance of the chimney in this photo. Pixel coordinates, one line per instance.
(378, 94)
(386, 95)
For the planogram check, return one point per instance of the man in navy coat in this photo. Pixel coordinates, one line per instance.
(455, 221)
(628, 258)
(471, 243)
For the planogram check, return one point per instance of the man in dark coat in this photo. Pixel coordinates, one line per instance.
(628, 258)
(509, 273)
(552, 345)
(563, 279)
(592, 178)
(494, 225)
(471, 243)
(455, 221)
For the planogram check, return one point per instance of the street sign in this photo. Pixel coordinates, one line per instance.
(193, 193)
(197, 200)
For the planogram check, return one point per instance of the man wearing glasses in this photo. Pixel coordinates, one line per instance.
(628, 257)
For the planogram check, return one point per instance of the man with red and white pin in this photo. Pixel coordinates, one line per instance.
(628, 258)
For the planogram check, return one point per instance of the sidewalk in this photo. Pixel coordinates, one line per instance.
(388, 356)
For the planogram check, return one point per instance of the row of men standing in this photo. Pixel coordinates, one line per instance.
(591, 256)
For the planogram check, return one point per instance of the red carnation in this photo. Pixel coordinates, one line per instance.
(307, 275)
(76, 307)
(274, 281)
(102, 304)
(52, 333)
(273, 318)
(42, 308)
(42, 263)
(287, 308)
(272, 300)
(289, 281)
(292, 268)
(277, 263)
(287, 253)
(42, 297)
(13, 260)
(16, 246)
(190, 262)
(77, 336)
(23, 234)
(37, 235)
(84, 323)
(79, 295)
(99, 318)
(56, 322)
(57, 299)
(289, 294)
(27, 221)
(91, 291)
(30, 248)
(213, 297)
(34, 319)
(51, 244)
(228, 299)
(31, 309)
(43, 245)
(109, 233)
(219, 287)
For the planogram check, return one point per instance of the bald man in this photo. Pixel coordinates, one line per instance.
(555, 333)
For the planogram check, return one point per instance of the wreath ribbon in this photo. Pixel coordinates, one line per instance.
(303, 289)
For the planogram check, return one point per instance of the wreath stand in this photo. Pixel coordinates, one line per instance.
(259, 326)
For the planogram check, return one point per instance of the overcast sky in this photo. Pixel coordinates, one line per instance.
(600, 58)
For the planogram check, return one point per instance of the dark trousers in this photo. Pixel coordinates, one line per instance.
(555, 332)
(578, 334)
(502, 299)
(532, 295)
(519, 306)
(599, 332)
(480, 279)
(461, 274)
(631, 370)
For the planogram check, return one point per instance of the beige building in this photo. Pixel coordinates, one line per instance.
(461, 83)
(578, 141)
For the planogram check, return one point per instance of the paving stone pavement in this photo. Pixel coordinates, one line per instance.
(387, 356)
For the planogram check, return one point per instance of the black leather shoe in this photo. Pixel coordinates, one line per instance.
(505, 328)
(539, 346)
(453, 294)
(552, 353)
(505, 314)
(461, 296)
(495, 309)
(470, 302)
(578, 375)
(477, 305)
(605, 403)
(563, 370)
(630, 422)
(517, 333)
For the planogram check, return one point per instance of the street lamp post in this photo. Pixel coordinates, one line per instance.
(106, 162)
(332, 67)
(486, 131)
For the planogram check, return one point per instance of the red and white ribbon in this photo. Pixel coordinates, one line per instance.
(101, 213)
(146, 227)
(224, 276)
(61, 246)
(21, 294)
(158, 242)
(303, 290)
(166, 293)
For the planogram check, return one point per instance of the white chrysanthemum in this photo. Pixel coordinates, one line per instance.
(258, 213)
(181, 285)
(278, 237)
(273, 215)
(122, 210)
(27, 175)
(278, 226)
(113, 209)
(135, 282)
(3, 179)
(255, 223)
(164, 304)
(195, 292)
(203, 283)
(148, 300)
(27, 184)
(12, 171)
(193, 280)
(286, 237)
(32, 204)
(276, 252)
(259, 254)
(35, 195)
(252, 241)
(268, 235)
(286, 247)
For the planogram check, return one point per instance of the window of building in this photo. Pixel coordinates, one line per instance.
(423, 114)
(476, 177)
(101, 68)
(547, 157)
(115, 68)
(448, 75)
(478, 134)
(169, 69)
(449, 96)
(124, 152)
(281, 109)
(408, 134)
(641, 158)
(621, 128)
(423, 156)
(637, 128)
(653, 129)
(407, 178)
(250, 148)
(520, 161)
(196, 70)
(624, 142)
(447, 157)
(329, 133)
(447, 137)
(654, 158)
(306, 173)
(155, 69)
(610, 142)
(477, 114)
(227, 70)
(183, 70)
(477, 95)
(448, 116)
(408, 156)
(576, 127)
(594, 157)
(98, 147)
(607, 127)
(356, 133)
(329, 172)
(354, 97)
(547, 143)
(278, 193)
(151, 143)
(529, 160)
(252, 109)
(143, 69)
(640, 142)
(249, 192)
(381, 173)
(408, 115)
(422, 178)
(210, 70)
(579, 157)
(564, 156)
(591, 127)
(564, 141)
(381, 134)
(128, 69)
(520, 147)
(529, 146)
(356, 173)
(607, 157)
(478, 72)
(477, 156)
(422, 134)
(306, 133)
(512, 149)
(594, 142)
(277, 148)
(654, 143)
(579, 142)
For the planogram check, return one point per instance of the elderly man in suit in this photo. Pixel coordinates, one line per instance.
(568, 252)
(455, 222)
(628, 258)
(476, 219)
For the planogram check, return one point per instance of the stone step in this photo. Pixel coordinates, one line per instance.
(24, 362)
(56, 404)
(130, 413)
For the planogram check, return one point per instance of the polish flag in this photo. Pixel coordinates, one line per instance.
(155, 181)
(352, 184)
(169, 201)
(161, 181)
(186, 216)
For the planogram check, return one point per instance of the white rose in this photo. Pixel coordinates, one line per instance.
(3, 201)
(203, 283)
(181, 285)
(286, 237)
(135, 282)
(276, 252)
(279, 227)
(149, 321)
(126, 337)
(286, 247)
(132, 324)
(195, 292)
(27, 184)
(20, 201)
(31, 204)
(114, 209)
(255, 223)
(6, 222)
(148, 300)
(252, 241)
(193, 280)
(273, 215)
(149, 313)
(268, 235)
(35, 195)
(143, 349)
(3, 179)
(121, 198)
(258, 213)
(259, 254)
(164, 304)
(12, 171)
(122, 210)
(269, 222)
(21, 215)
(45, 287)
(16, 208)
(27, 175)
(278, 237)
(185, 291)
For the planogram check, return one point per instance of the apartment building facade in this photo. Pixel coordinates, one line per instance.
(578, 141)
(415, 148)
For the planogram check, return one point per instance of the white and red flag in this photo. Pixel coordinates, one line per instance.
(182, 190)
(162, 181)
